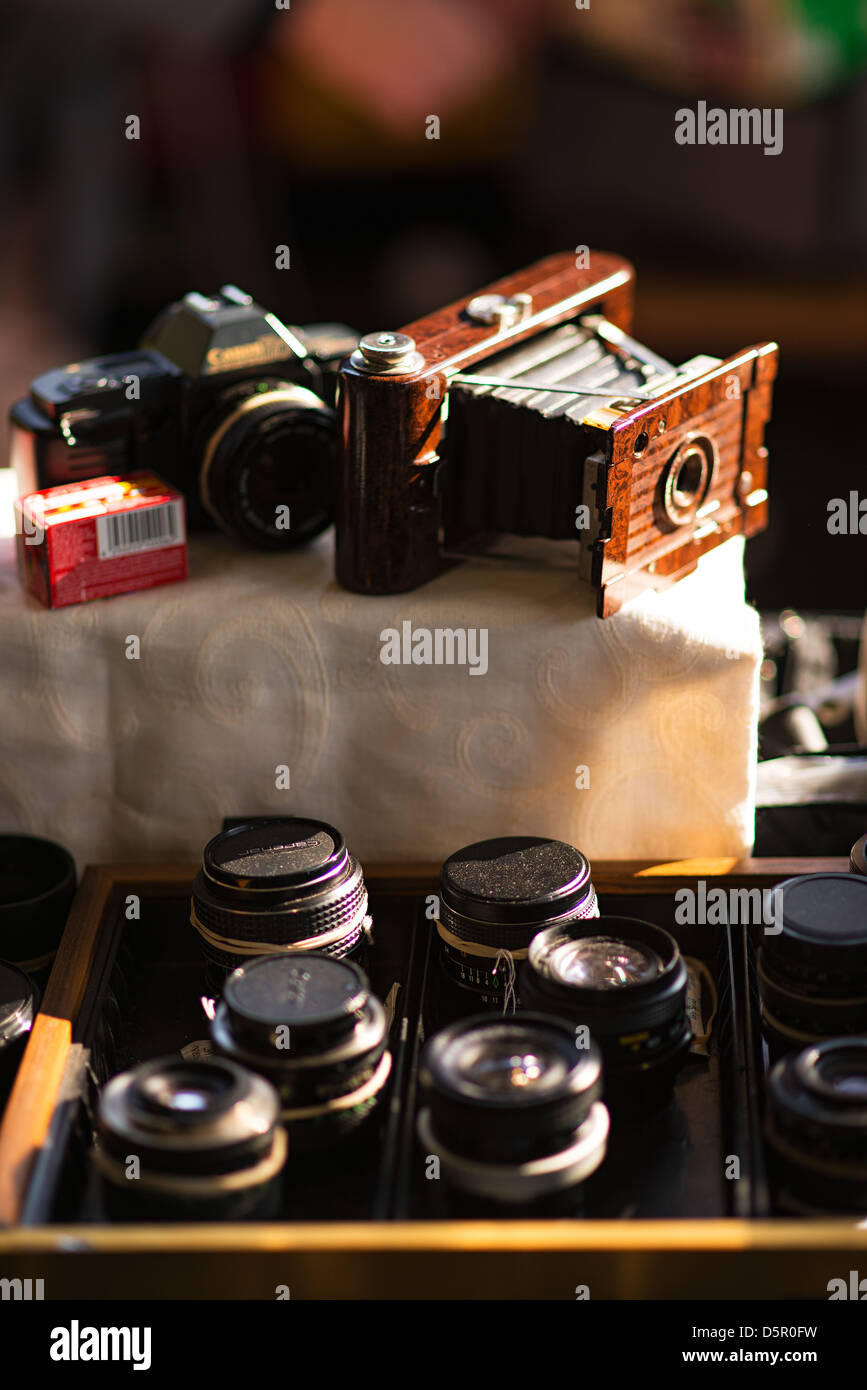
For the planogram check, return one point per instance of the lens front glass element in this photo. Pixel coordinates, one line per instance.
(506, 1063)
(602, 962)
(187, 1092)
(846, 1074)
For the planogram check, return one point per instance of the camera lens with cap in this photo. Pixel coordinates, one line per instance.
(188, 1140)
(494, 897)
(858, 857)
(812, 964)
(816, 1127)
(512, 1107)
(19, 1001)
(312, 1026)
(626, 981)
(37, 885)
(279, 887)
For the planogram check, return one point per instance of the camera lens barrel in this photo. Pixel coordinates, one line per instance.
(272, 448)
(19, 1001)
(816, 1126)
(279, 887)
(626, 981)
(37, 885)
(495, 896)
(312, 1026)
(205, 1136)
(512, 1106)
(812, 972)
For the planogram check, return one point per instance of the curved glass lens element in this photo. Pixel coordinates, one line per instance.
(182, 1090)
(602, 962)
(846, 1075)
(506, 1071)
(189, 1100)
(508, 1064)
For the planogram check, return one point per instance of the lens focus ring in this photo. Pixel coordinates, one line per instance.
(285, 923)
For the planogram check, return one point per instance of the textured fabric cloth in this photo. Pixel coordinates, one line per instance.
(259, 663)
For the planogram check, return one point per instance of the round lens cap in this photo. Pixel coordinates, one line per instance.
(515, 879)
(823, 910)
(301, 991)
(282, 853)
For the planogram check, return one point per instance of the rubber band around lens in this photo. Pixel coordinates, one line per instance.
(370, 1088)
(534, 1178)
(476, 948)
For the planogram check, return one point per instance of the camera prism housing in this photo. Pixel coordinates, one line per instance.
(221, 399)
(528, 410)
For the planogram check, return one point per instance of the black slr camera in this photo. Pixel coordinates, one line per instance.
(221, 399)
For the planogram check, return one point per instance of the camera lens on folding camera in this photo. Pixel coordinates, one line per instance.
(188, 1140)
(812, 972)
(513, 1107)
(312, 1026)
(626, 981)
(281, 886)
(816, 1126)
(494, 897)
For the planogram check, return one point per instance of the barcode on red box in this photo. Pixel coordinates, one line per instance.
(128, 533)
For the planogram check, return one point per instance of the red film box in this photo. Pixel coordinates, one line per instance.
(100, 537)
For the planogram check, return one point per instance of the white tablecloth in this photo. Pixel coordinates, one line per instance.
(261, 661)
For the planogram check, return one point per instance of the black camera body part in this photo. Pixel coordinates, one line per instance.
(221, 399)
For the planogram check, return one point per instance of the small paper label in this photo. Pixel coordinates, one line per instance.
(693, 1012)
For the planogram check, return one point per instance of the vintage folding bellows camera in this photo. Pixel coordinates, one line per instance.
(528, 410)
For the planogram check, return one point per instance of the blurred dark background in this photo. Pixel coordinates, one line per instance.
(262, 126)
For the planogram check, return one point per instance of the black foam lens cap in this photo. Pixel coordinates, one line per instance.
(285, 852)
(515, 879)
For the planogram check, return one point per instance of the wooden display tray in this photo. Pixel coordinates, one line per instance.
(723, 1258)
